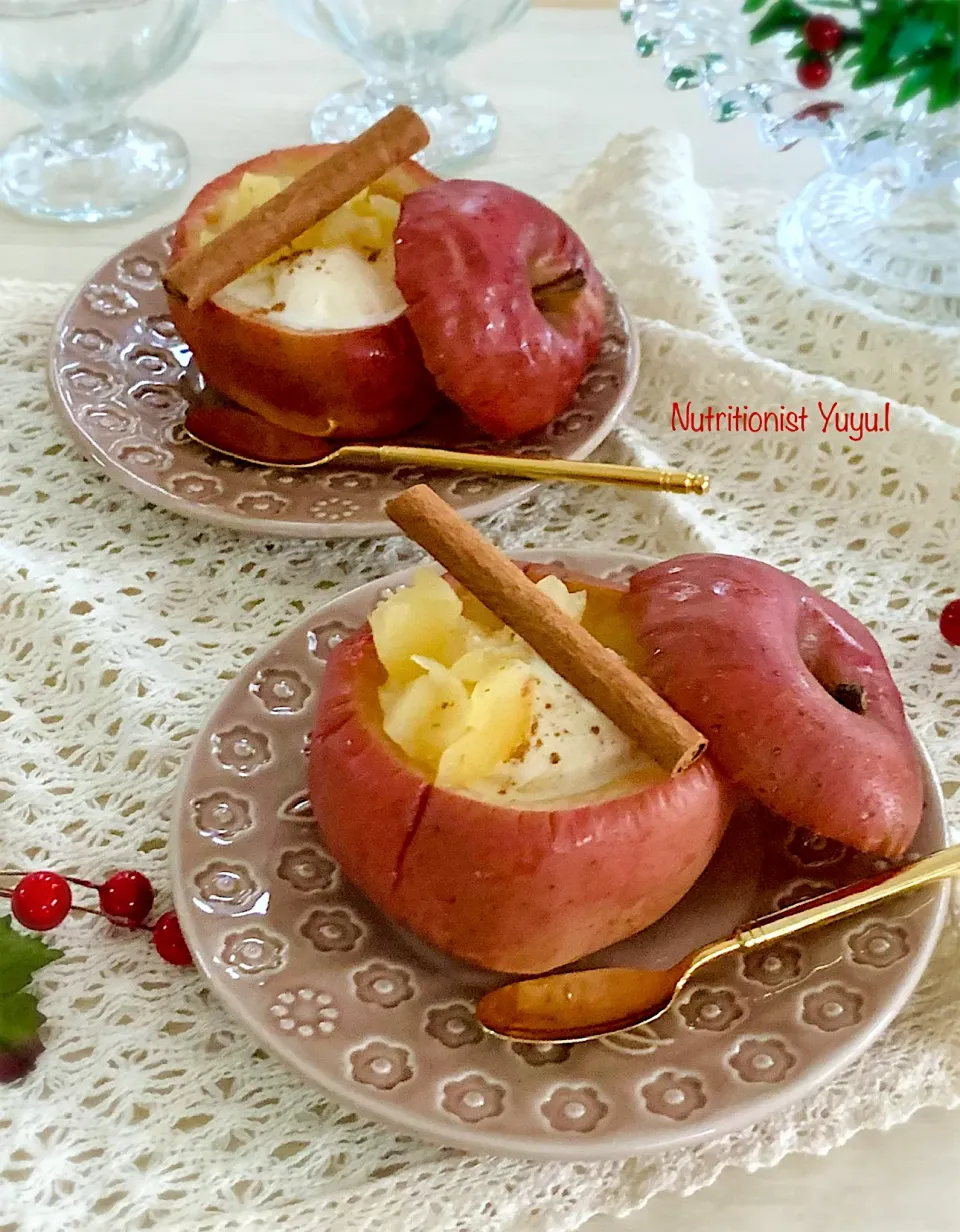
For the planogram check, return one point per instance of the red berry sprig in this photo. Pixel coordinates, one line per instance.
(950, 622)
(814, 71)
(823, 33)
(823, 36)
(42, 900)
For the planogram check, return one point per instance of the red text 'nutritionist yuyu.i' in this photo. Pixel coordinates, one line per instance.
(854, 425)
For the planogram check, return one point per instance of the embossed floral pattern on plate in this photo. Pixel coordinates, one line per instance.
(332, 930)
(381, 1064)
(574, 1109)
(226, 885)
(708, 1009)
(307, 1011)
(306, 868)
(473, 1098)
(453, 1025)
(221, 815)
(677, 1096)
(282, 691)
(383, 985)
(241, 749)
(254, 951)
(833, 1008)
(878, 945)
(773, 965)
(762, 1060)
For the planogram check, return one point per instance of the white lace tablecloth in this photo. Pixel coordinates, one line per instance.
(121, 623)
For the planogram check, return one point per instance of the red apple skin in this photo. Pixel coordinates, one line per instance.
(511, 890)
(357, 383)
(468, 253)
(748, 654)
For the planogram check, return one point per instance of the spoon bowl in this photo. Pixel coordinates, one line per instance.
(580, 1005)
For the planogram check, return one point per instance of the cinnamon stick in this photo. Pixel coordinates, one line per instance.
(310, 198)
(597, 672)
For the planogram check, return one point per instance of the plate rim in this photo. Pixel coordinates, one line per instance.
(279, 529)
(757, 1109)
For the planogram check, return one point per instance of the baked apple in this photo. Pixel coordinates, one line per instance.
(792, 692)
(479, 800)
(314, 340)
(504, 298)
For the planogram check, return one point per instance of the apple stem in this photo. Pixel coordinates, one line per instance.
(851, 696)
(548, 296)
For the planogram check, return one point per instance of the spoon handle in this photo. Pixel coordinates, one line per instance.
(850, 899)
(527, 468)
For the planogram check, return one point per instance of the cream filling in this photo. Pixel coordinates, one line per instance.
(572, 750)
(321, 289)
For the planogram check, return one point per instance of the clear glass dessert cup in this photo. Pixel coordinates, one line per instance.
(78, 64)
(403, 47)
(882, 223)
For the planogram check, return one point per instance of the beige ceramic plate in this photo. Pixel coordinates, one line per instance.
(383, 1022)
(118, 372)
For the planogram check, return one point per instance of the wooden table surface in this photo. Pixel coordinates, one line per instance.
(565, 81)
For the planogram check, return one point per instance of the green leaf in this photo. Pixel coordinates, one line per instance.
(19, 1019)
(783, 15)
(877, 38)
(873, 75)
(945, 87)
(751, 6)
(913, 84)
(21, 954)
(913, 36)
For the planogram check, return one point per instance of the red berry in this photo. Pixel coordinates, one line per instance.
(823, 33)
(126, 896)
(814, 72)
(41, 901)
(950, 622)
(168, 941)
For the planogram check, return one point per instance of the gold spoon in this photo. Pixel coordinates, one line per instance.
(584, 1005)
(544, 469)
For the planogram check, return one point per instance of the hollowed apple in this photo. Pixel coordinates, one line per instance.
(793, 693)
(506, 886)
(505, 300)
(360, 381)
